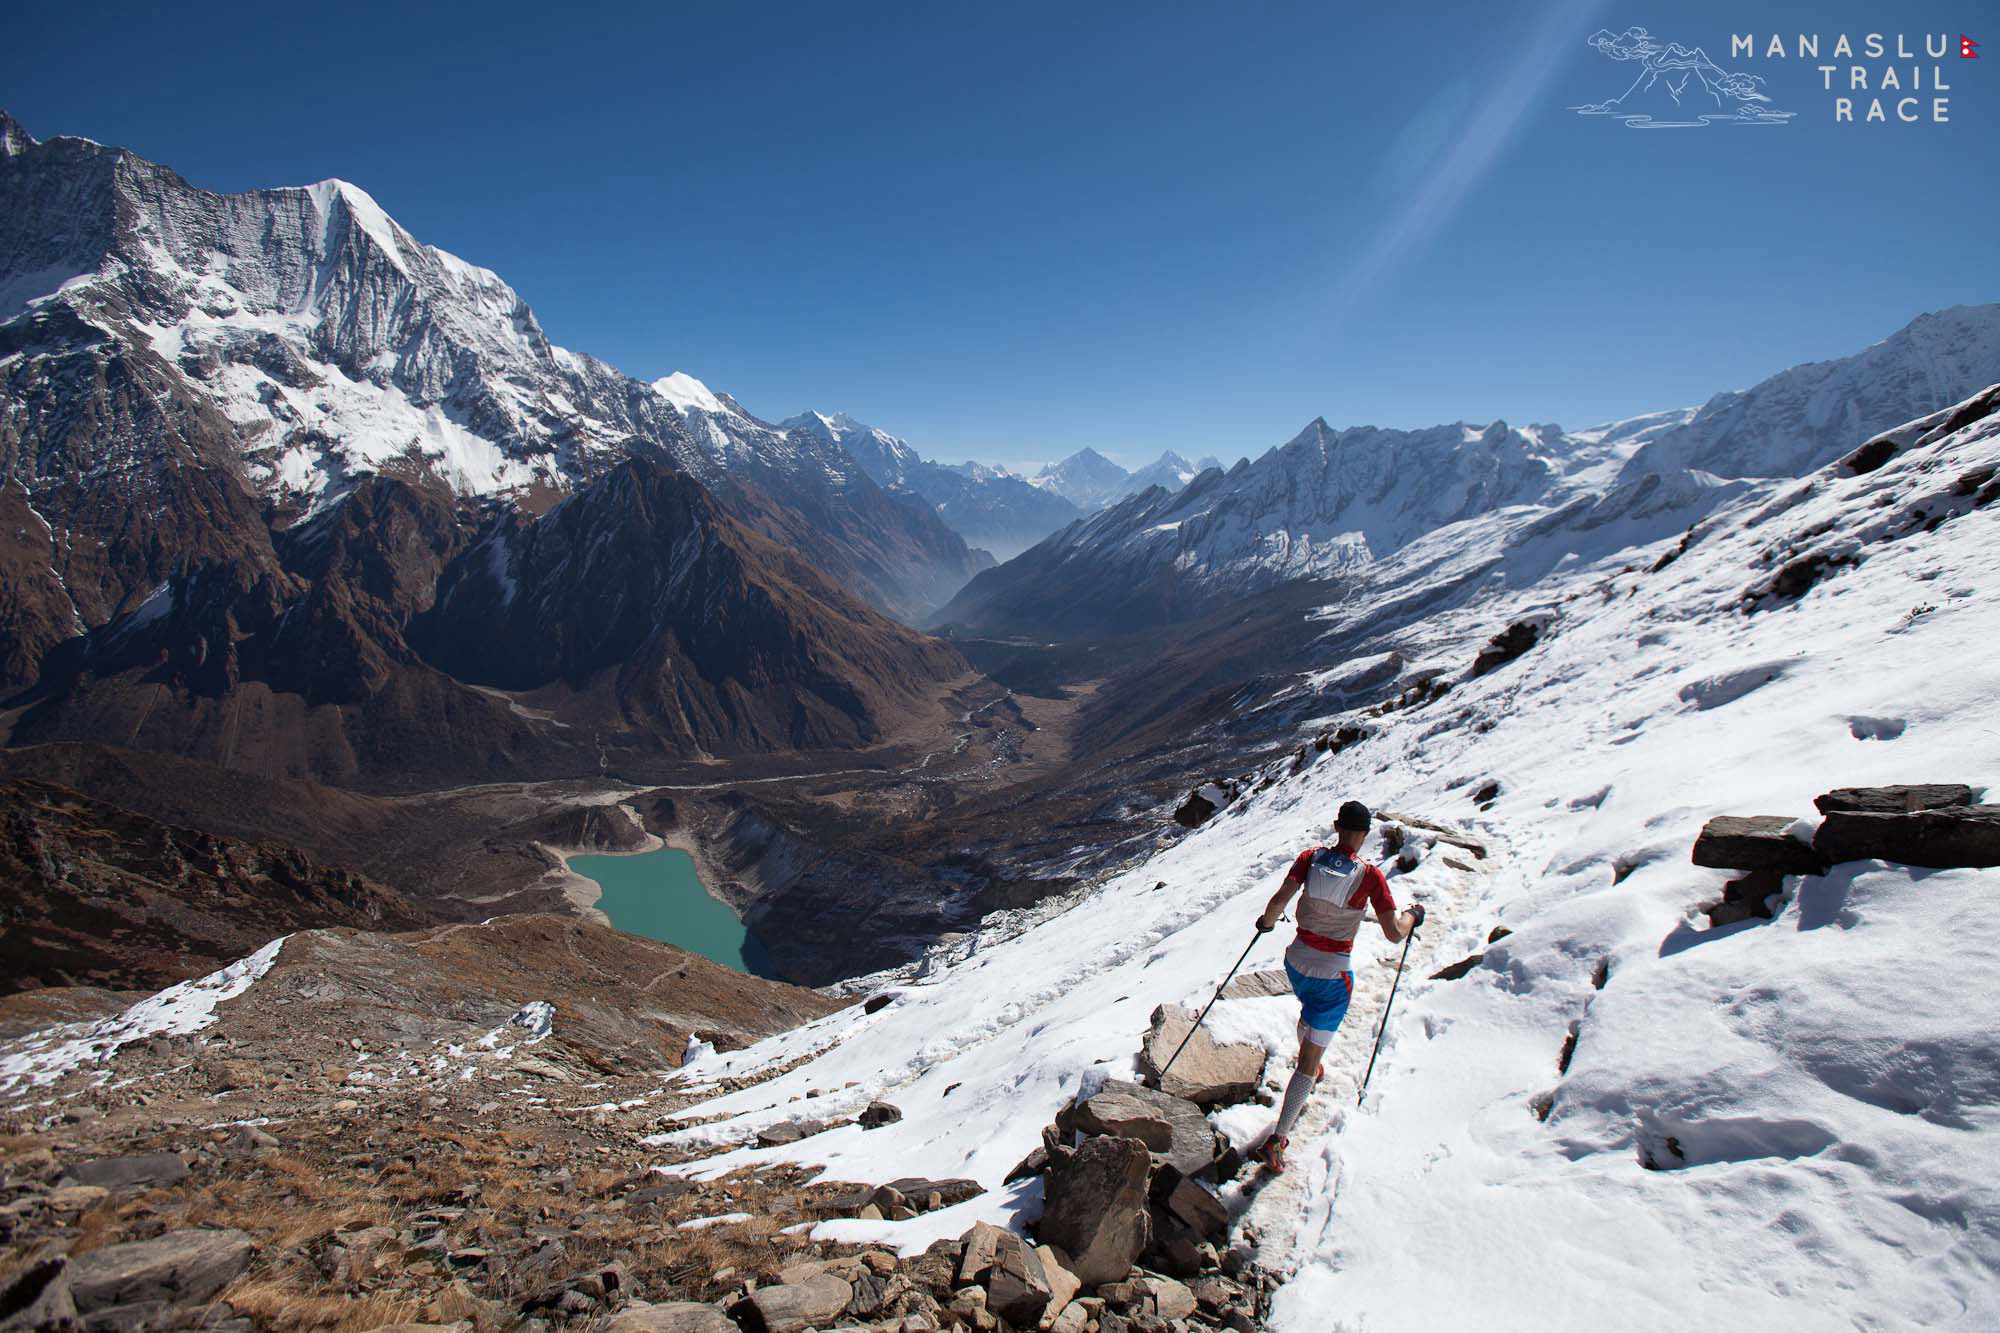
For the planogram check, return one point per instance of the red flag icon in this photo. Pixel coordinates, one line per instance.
(1967, 48)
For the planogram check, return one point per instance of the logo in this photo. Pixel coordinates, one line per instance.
(1678, 87)
(1967, 48)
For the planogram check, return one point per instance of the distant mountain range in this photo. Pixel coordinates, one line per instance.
(1330, 502)
(1091, 481)
(991, 509)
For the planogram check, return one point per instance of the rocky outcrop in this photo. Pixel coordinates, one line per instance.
(1893, 800)
(1940, 838)
(1754, 842)
(1204, 801)
(1505, 646)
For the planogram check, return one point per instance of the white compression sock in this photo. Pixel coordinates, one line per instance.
(1296, 1092)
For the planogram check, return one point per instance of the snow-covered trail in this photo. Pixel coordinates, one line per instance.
(1818, 1088)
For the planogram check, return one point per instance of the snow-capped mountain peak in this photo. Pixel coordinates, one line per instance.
(689, 394)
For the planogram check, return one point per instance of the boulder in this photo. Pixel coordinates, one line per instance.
(1063, 1284)
(1191, 1202)
(1018, 1290)
(1171, 1300)
(790, 1131)
(1207, 1072)
(1943, 838)
(155, 1168)
(879, 1114)
(1893, 800)
(1754, 842)
(1094, 1206)
(794, 1307)
(1257, 985)
(982, 1247)
(1171, 1126)
(671, 1317)
(181, 1267)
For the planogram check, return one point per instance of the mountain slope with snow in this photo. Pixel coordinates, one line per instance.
(287, 341)
(1620, 1111)
(1330, 502)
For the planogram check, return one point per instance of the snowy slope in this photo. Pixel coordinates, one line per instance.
(1827, 1076)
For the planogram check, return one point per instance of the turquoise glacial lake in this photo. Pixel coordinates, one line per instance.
(658, 895)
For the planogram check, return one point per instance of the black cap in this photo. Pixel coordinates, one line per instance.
(1353, 816)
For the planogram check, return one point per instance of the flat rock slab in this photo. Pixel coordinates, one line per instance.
(1206, 1072)
(1170, 1126)
(1258, 985)
(181, 1268)
(1941, 839)
(794, 1308)
(1754, 842)
(156, 1168)
(672, 1317)
(1894, 800)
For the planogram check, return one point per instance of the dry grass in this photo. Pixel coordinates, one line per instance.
(279, 1300)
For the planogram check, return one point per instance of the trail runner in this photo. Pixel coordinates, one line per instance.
(1339, 889)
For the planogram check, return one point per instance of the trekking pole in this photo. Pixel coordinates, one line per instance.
(1210, 1005)
(1381, 1027)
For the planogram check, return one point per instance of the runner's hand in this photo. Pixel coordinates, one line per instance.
(1416, 915)
(1265, 927)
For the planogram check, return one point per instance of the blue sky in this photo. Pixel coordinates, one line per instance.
(1013, 231)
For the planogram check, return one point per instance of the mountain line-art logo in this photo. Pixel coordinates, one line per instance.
(1678, 87)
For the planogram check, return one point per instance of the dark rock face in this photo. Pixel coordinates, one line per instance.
(1747, 897)
(1870, 456)
(1453, 971)
(1894, 800)
(1754, 842)
(1943, 838)
(101, 896)
(1505, 646)
(1095, 1206)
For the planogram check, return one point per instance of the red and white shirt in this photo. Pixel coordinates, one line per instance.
(1339, 890)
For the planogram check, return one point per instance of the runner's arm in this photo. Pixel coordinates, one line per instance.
(1394, 924)
(1294, 877)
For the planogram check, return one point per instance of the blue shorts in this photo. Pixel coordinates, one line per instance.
(1323, 1002)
